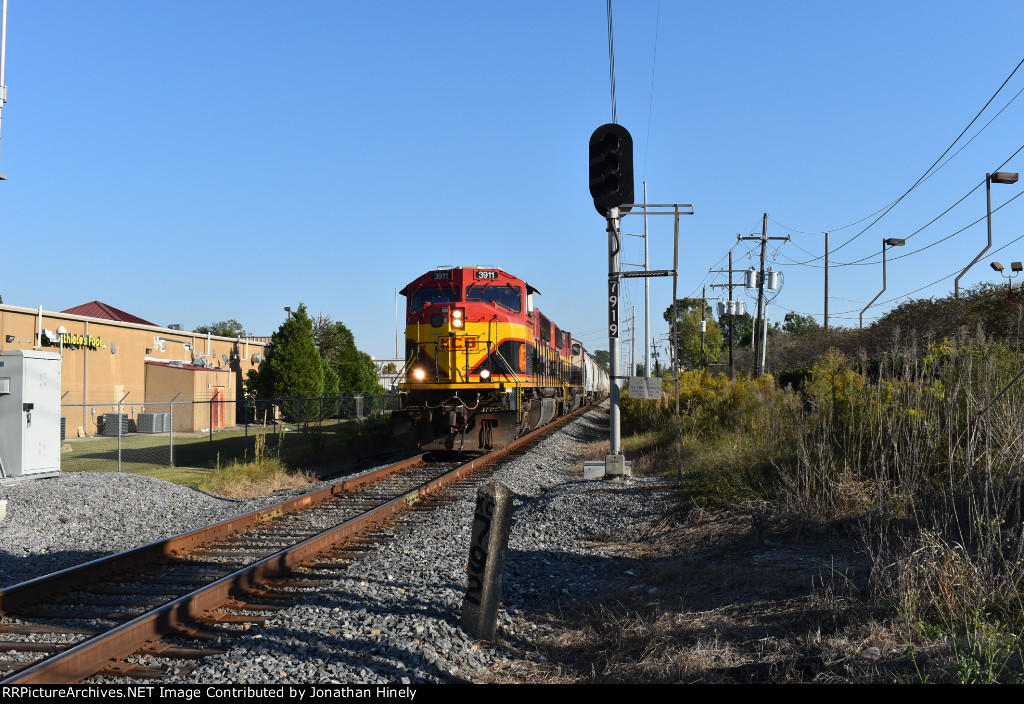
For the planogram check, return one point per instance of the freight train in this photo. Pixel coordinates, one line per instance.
(483, 364)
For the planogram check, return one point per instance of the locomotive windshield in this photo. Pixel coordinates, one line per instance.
(507, 296)
(425, 295)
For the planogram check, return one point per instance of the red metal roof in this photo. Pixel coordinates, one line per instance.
(96, 309)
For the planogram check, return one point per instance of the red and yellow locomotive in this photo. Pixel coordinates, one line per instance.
(483, 365)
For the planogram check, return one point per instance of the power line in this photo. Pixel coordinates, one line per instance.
(864, 261)
(650, 106)
(954, 273)
(855, 262)
(931, 169)
(611, 58)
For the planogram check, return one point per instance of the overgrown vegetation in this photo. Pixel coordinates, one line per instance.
(263, 474)
(915, 445)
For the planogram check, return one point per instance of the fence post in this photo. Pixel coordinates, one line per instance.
(119, 430)
(170, 429)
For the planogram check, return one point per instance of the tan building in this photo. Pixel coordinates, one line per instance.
(105, 360)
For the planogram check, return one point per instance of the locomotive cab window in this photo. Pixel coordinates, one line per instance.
(507, 296)
(425, 295)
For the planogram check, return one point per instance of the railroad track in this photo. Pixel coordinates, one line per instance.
(184, 598)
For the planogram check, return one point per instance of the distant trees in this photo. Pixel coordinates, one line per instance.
(688, 318)
(224, 328)
(800, 325)
(603, 359)
(743, 329)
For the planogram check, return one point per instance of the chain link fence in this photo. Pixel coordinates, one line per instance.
(125, 436)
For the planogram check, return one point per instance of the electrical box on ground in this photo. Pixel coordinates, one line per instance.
(29, 415)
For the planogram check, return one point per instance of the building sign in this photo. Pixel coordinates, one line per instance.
(70, 339)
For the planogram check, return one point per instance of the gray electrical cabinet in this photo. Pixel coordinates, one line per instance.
(29, 414)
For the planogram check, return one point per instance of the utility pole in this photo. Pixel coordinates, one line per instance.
(632, 343)
(732, 325)
(758, 342)
(758, 335)
(703, 325)
(732, 305)
(826, 282)
(647, 296)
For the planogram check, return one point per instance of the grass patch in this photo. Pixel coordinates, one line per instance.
(724, 469)
(207, 465)
(263, 475)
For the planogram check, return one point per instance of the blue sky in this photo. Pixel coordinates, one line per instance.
(192, 162)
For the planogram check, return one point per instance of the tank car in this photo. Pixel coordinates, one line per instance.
(483, 364)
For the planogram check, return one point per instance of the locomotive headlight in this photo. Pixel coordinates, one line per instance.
(458, 317)
(419, 374)
(485, 374)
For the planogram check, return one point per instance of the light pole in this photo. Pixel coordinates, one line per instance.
(891, 242)
(1015, 267)
(997, 177)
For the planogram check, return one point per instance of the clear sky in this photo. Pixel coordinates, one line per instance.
(196, 161)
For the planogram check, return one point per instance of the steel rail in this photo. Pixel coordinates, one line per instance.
(93, 654)
(35, 590)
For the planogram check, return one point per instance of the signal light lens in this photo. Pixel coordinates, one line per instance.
(611, 168)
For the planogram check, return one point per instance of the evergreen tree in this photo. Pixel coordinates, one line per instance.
(331, 391)
(356, 371)
(292, 368)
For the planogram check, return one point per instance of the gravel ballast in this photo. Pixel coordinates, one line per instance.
(394, 617)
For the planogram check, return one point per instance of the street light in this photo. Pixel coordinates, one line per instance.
(997, 177)
(891, 242)
(1015, 267)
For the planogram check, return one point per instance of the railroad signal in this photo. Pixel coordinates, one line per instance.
(611, 167)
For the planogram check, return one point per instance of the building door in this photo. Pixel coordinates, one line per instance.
(218, 407)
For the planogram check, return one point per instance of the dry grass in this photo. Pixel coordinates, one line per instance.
(867, 531)
(264, 474)
(711, 603)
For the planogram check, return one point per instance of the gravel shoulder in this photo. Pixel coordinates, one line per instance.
(394, 618)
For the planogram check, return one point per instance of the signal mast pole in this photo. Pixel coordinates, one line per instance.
(615, 438)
